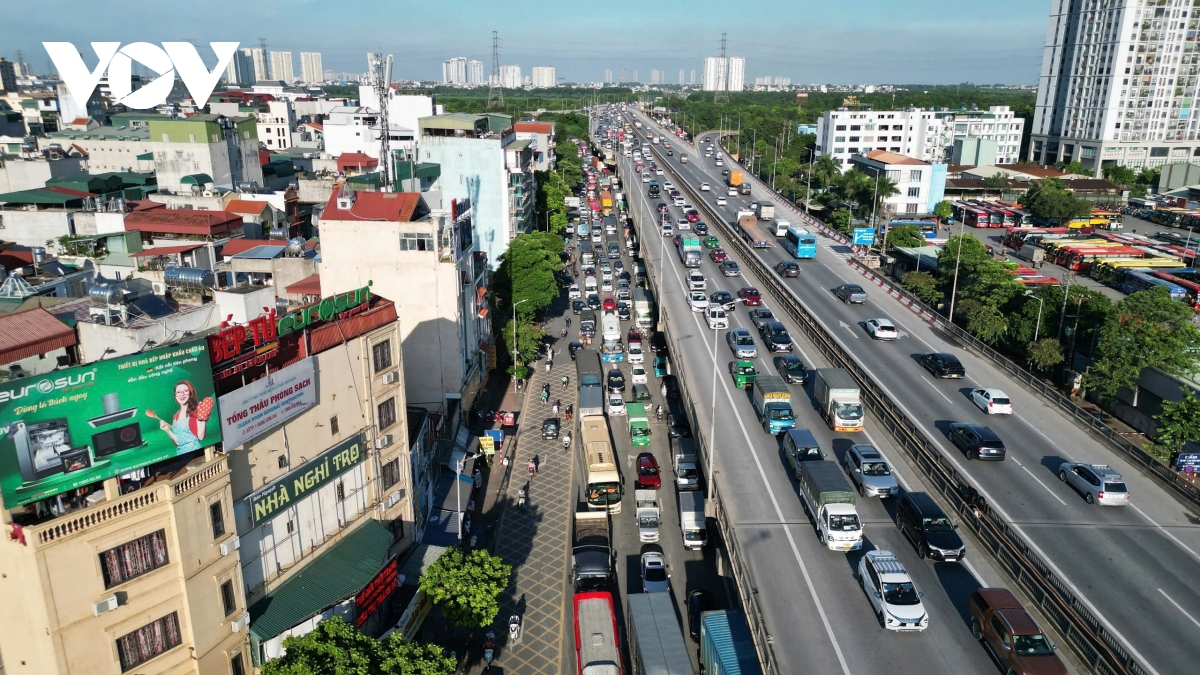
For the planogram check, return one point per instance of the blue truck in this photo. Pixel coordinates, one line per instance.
(726, 647)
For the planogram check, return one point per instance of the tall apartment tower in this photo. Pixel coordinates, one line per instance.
(454, 71)
(737, 73)
(714, 74)
(258, 59)
(633, 76)
(281, 67)
(475, 72)
(608, 76)
(311, 69)
(1117, 86)
(544, 77)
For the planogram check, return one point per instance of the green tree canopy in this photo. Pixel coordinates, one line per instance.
(943, 210)
(335, 647)
(922, 285)
(840, 221)
(1178, 423)
(996, 181)
(905, 236)
(1073, 167)
(1121, 175)
(1045, 353)
(1148, 329)
(466, 586)
(1049, 198)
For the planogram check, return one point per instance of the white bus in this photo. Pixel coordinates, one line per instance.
(603, 479)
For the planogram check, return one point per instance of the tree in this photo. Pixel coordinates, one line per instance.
(825, 170)
(466, 586)
(1121, 175)
(336, 647)
(1073, 167)
(405, 657)
(884, 187)
(943, 210)
(1045, 353)
(1178, 423)
(1049, 198)
(529, 342)
(1148, 329)
(840, 221)
(996, 181)
(964, 250)
(905, 236)
(986, 323)
(922, 285)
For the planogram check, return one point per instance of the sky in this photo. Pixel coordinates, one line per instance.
(809, 41)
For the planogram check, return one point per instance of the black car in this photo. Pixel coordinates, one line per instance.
(698, 601)
(776, 337)
(791, 368)
(724, 299)
(724, 172)
(616, 381)
(787, 268)
(577, 306)
(701, 229)
(550, 428)
(979, 442)
(658, 343)
(623, 312)
(761, 316)
(928, 528)
(593, 301)
(677, 426)
(574, 348)
(672, 385)
(943, 365)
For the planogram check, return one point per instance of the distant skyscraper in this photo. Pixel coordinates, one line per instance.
(510, 77)
(454, 71)
(281, 67)
(262, 71)
(633, 75)
(623, 76)
(681, 77)
(8, 75)
(653, 76)
(714, 74)
(544, 76)
(692, 81)
(474, 72)
(737, 74)
(608, 76)
(311, 70)
(241, 67)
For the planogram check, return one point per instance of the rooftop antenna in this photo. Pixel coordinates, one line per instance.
(495, 88)
(382, 68)
(722, 95)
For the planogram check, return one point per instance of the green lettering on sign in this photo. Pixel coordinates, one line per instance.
(325, 310)
(303, 481)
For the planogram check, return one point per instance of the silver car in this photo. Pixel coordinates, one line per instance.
(741, 343)
(654, 573)
(869, 472)
(1098, 483)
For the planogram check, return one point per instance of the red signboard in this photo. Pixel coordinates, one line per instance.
(371, 598)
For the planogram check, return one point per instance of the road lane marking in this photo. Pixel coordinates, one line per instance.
(1165, 532)
(1181, 609)
(935, 388)
(1039, 482)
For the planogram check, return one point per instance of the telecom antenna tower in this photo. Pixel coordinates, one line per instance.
(382, 67)
(495, 88)
(722, 95)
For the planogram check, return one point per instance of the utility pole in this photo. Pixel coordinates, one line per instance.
(495, 86)
(383, 83)
(722, 95)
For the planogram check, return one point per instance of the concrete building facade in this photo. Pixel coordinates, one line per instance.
(475, 73)
(714, 74)
(454, 71)
(544, 77)
(282, 67)
(223, 149)
(737, 73)
(312, 71)
(919, 184)
(928, 135)
(275, 125)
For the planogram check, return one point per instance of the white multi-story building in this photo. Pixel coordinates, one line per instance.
(714, 74)
(681, 77)
(737, 74)
(919, 185)
(475, 72)
(510, 77)
(311, 69)
(454, 71)
(608, 76)
(633, 76)
(281, 67)
(1118, 85)
(928, 135)
(275, 126)
(260, 64)
(544, 76)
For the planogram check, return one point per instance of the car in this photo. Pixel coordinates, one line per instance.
(573, 348)
(633, 337)
(699, 601)
(616, 405)
(791, 369)
(648, 476)
(722, 201)
(645, 176)
(851, 294)
(670, 153)
(760, 316)
(718, 255)
(641, 393)
(634, 353)
(724, 299)
(889, 589)
(662, 208)
(1012, 636)
(741, 343)
(716, 317)
(616, 381)
(610, 305)
(696, 281)
(623, 311)
(977, 441)
(669, 186)
(683, 223)
(658, 343)
(787, 268)
(992, 401)
(677, 426)
(881, 329)
(660, 366)
(672, 385)
(678, 200)
(577, 306)
(668, 228)
(943, 366)
(658, 171)
(654, 573)
(606, 285)
(777, 338)
(732, 192)
(869, 472)
(700, 228)
(753, 206)
(750, 296)
(593, 301)
(550, 428)
(638, 374)
(711, 242)
(606, 272)
(730, 268)
(704, 187)
(926, 525)
(1098, 483)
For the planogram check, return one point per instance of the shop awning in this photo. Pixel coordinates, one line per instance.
(336, 574)
(306, 286)
(165, 250)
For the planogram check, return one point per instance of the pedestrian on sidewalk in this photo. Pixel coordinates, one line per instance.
(566, 381)
(549, 365)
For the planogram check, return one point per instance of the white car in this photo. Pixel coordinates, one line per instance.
(882, 329)
(658, 172)
(716, 317)
(668, 185)
(896, 602)
(992, 401)
(607, 286)
(683, 224)
(732, 192)
(696, 281)
(606, 273)
(573, 292)
(704, 187)
(616, 405)
(634, 353)
(646, 177)
(721, 201)
(639, 374)
(654, 573)
(699, 301)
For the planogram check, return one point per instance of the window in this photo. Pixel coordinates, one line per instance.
(391, 473)
(840, 127)
(228, 599)
(334, 427)
(914, 192)
(387, 413)
(235, 665)
(283, 461)
(915, 174)
(839, 139)
(341, 491)
(854, 139)
(218, 519)
(133, 559)
(147, 642)
(911, 208)
(416, 241)
(855, 127)
(381, 355)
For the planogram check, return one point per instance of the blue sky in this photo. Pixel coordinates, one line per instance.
(838, 42)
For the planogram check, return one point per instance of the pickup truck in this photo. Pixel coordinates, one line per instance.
(648, 514)
(1000, 622)
(830, 500)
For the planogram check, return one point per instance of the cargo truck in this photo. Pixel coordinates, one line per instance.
(766, 211)
(656, 645)
(690, 252)
(691, 520)
(725, 644)
(648, 514)
(592, 554)
(748, 226)
(829, 500)
(687, 468)
(643, 302)
(639, 424)
(772, 402)
(735, 178)
(606, 203)
(838, 397)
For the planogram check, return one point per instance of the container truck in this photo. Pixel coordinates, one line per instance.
(725, 644)
(648, 514)
(639, 424)
(656, 645)
(687, 468)
(736, 178)
(643, 302)
(748, 226)
(591, 553)
(690, 252)
(766, 211)
(691, 520)
(829, 500)
(838, 396)
(773, 403)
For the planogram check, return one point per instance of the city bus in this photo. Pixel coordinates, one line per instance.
(1183, 277)
(1082, 259)
(603, 480)
(587, 253)
(1015, 239)
(929, 229)
(612, 350)
(800, 243)
(1141, 280)
(1113, 271)
(597, 642)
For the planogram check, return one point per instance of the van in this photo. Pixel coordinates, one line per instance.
(801, 446)
(926, 525)
(587, 323)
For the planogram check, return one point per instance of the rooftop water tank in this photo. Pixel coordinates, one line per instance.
(189, 278)
(103, 294)
(296, 246)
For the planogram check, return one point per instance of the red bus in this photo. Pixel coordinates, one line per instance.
(1016, 239)
(597, 642)
(1081, 259)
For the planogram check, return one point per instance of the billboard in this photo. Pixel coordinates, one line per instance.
(70, 428)
(304, 481)
(266, 403)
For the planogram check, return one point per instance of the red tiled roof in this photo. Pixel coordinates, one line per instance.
(143, 205)
(306, 286)
(165, 250)
(245, 206)
(239, 245)
(357, 160)
(315, 125)
(390, 206)
(534, 127)
(81, 120)
(32, 332)
(885, 157)
(15, 259)
(178, 221)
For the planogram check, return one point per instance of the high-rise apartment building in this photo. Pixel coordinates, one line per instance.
(544, 76)
(692, 80)
(1118, 82)
(475, 72)
(281, 67)
(260, 64)
(737, 74)
(311, 69)
(8, 75)
(681, 77)
(454, 71)
(714, 74)
(510, 77)
(241, 67)
(624, 75)
(608, 76)
(633, 76)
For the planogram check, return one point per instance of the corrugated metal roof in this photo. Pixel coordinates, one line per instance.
(391, 206)
(306, 286)
(265, 252)
(165, 250)
(239, 245)
(334, 575)
(179, 221)
(725, 638)
(30, 333)
(518, 144)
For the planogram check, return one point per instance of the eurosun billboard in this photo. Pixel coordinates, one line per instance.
(74, 427)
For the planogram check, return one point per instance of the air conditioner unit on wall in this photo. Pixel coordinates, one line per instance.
(392, 377)
(240, 624)
(105, 605)
(394, 498)
(230, 546)
(383, 441)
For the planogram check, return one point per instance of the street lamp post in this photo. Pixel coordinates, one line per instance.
(1041, 305)
(957, 262)
(515, 351)
(1066, 294)
(808, 183)
(712, 428)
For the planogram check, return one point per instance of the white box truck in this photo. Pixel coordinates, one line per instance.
(648, 514)
(691, 520)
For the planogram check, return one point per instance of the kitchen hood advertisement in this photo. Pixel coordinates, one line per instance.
(74, 427)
